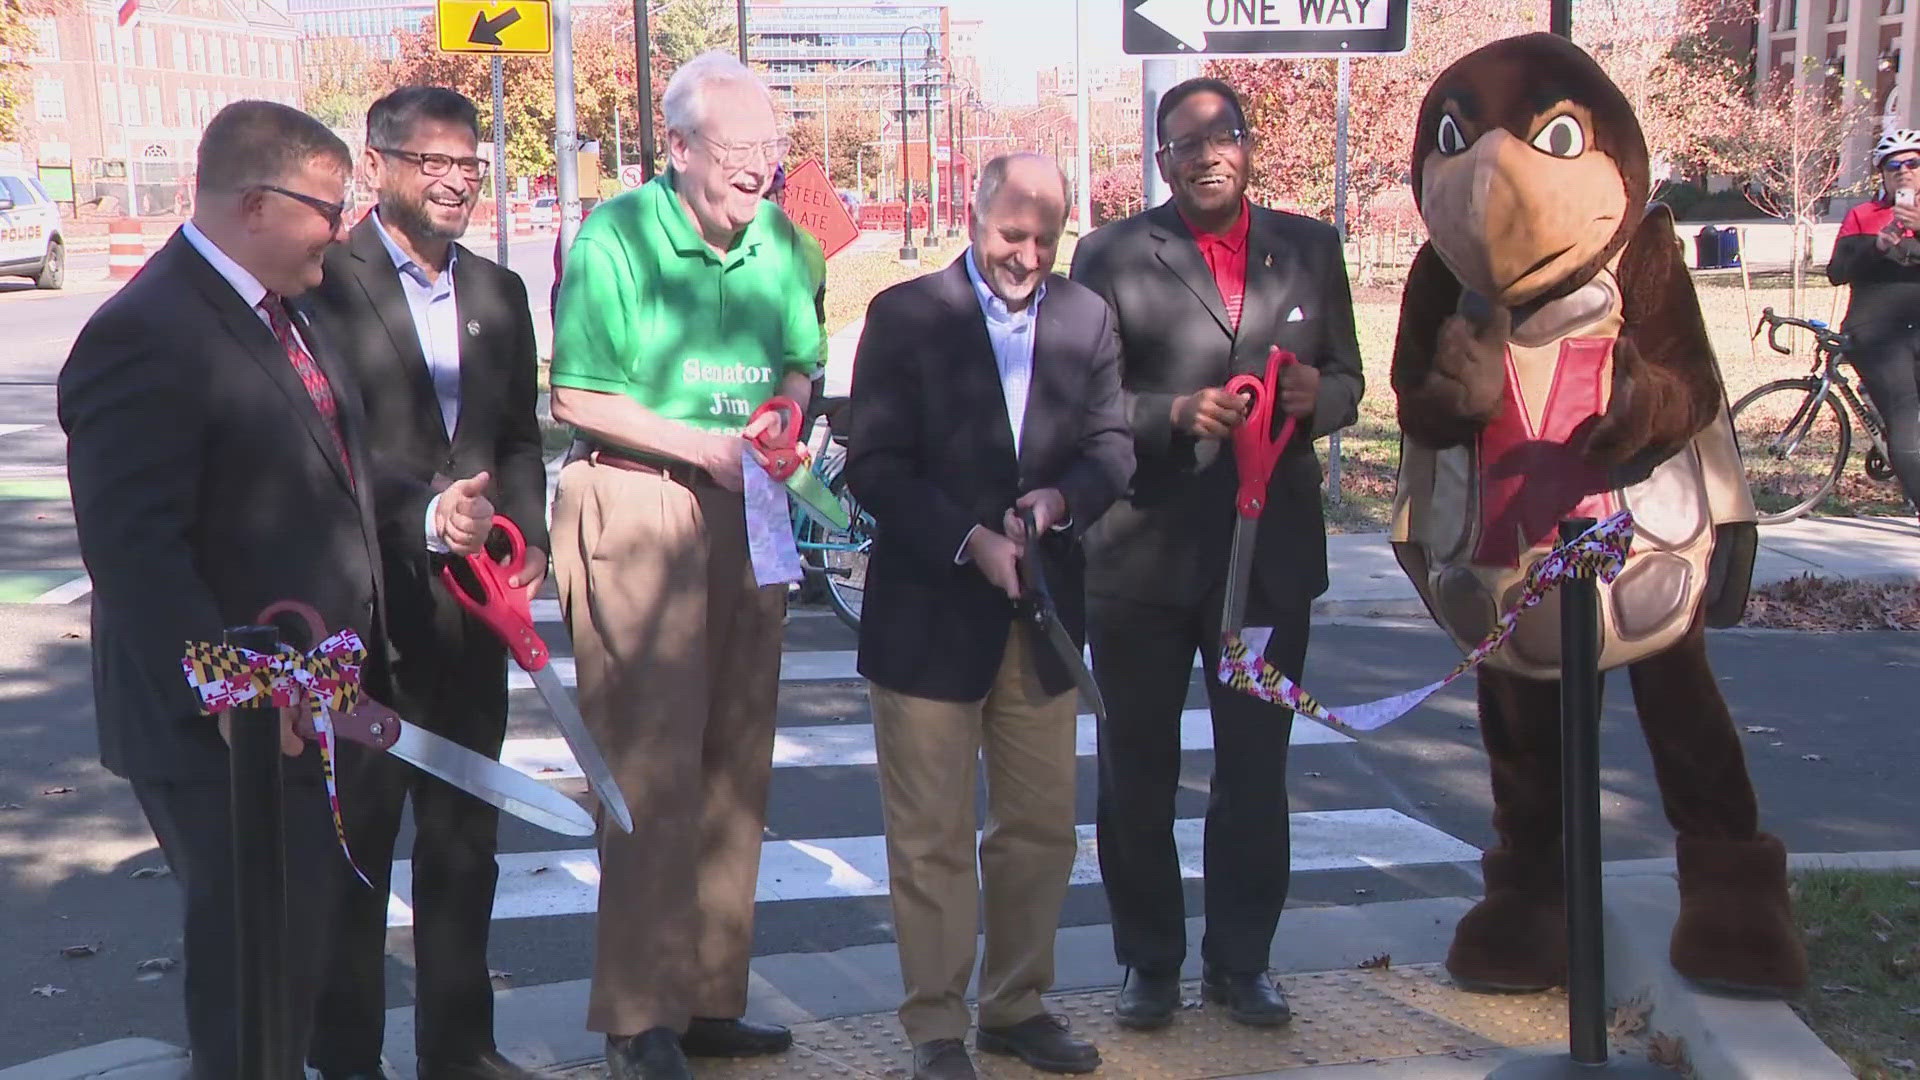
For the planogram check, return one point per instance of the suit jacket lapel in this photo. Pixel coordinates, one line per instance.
(1047, 392)
(977, 374)
(262, 347)
(380, 280)
(1177, 251)
(472, 313)
(1270, 272)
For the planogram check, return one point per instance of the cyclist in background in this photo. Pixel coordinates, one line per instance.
(1878, 254)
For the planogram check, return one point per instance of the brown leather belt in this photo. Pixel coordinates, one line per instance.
(680, 472)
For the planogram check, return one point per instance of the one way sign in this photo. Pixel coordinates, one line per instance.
(503, 26)
(1263, 27)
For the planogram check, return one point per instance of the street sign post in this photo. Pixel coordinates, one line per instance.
(814, 206)
(520, 27)
(1263, 27)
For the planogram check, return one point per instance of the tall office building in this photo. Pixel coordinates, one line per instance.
(376, 24)
(852, 51)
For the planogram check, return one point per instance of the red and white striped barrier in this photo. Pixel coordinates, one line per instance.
(126, 249)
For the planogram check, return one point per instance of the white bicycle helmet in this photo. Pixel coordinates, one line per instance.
(1897, 141)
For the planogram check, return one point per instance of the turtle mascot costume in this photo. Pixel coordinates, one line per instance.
(1552, 362)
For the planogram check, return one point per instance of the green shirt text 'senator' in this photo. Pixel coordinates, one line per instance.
(650, 311)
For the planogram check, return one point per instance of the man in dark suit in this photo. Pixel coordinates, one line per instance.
(1202, 288)
(441, 342)
(218, 462)
(990, 387)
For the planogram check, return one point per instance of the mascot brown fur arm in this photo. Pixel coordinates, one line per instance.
(1449, 376)
(1666, 388)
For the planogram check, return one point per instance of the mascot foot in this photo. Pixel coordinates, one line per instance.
(1515, 940)
(1735, 932)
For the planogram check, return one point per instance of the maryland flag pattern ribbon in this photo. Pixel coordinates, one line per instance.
(1599, 552)
(326, 678)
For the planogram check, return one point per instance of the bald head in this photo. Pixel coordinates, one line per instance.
(1019, 212)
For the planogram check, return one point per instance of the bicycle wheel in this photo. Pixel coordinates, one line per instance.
(840, 556)
(1793, 446)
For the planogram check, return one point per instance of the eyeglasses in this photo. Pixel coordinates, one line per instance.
(473, 168)
(1188, 147)
(333, 212)
(1902, 165)
(737, 155)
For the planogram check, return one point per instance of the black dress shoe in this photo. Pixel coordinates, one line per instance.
(733, 1038)
(1146, 1001)
(490, 1065)
(1044, 1041)
(942, 1059)
(1250, 998)
(653, 1054)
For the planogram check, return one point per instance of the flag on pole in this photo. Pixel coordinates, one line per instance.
(128, 9)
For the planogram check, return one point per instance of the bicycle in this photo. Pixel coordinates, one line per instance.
(833, 558)
(1795, 435)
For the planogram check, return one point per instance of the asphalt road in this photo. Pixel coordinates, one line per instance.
(1832, 754)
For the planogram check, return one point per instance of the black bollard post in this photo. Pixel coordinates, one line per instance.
(259, 878)
(1580, 823)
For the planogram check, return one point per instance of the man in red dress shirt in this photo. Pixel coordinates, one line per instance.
(1202, 287)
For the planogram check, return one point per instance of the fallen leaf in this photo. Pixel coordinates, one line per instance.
(551, 769)
(1903, 1064)
(1756, 729)
(1629, 1019)
(1381, 962)
(539, 869)
(146, 872)
(10, 806)
(1900, 967)
(1883, 937)
(1363, 892)
(497, 974)
(58, 791)
(158, 963)
(1670, 1051)
(47, 991)
(1812, 757)
(70, 636)
(1841, 988)
(1776, 744)
(1880, 921)
(75, 952)
(1311, 774)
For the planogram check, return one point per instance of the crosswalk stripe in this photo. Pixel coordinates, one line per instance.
(544, 884)
(852, 744)
(825, 665)
(12, 429)
(67, 593)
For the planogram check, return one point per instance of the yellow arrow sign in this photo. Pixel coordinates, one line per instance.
(504, 26)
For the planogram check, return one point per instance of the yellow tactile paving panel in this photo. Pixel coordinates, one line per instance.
(1339, 1016)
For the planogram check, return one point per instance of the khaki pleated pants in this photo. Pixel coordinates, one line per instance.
(678, 654)
(928, 752)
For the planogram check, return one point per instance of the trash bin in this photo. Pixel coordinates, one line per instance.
(1706, 249)
(1729, 246)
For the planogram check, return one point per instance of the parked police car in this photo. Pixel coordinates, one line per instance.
(31, 243)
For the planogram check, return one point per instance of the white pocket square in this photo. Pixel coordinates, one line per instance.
(1296, 315)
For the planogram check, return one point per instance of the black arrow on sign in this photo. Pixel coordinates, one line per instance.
(487, 31)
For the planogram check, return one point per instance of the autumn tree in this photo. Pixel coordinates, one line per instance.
(1116, 193)
(17, 45)
(340, 77)
(1789, 147)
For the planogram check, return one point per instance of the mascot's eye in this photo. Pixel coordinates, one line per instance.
(1449, 138)
(1562, 138)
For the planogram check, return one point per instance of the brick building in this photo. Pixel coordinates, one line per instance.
(1863, 41)
(179, 61)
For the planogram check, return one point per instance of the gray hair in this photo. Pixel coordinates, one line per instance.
(683, 104)
(994, 175)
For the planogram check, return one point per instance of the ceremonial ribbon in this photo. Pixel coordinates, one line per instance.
(327, 679)
(1601, 551)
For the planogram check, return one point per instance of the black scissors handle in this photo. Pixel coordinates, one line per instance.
(1031, 576)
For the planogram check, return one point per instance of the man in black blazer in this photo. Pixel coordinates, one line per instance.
(441, 342)
(989, 387)
(218, 462)
(1202, 287)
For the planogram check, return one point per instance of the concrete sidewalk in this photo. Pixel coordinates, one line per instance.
(1725, 1038)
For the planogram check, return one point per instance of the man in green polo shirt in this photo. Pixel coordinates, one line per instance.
(686, 304)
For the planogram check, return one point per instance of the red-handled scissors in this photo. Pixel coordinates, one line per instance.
(1256, 450)
(506, 612)
(782, 449)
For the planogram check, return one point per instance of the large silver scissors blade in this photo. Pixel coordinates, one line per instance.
(585, 751)
(1233, 613)
(1041, 610)
(375, 725)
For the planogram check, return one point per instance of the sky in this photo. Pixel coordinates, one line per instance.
(1020, 37)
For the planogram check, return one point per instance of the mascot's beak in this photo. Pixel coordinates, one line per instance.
(1513, 222)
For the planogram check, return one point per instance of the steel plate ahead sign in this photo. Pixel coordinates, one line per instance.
(1263, 27)
(523, 27)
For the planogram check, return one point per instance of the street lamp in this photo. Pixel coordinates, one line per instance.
(907, 252)
(926, 99)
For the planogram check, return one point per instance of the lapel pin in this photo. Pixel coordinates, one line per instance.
(473, 327)
(1269, 261)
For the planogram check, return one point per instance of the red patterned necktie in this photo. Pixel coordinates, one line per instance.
(310, 375)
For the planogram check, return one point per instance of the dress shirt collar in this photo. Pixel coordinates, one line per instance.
(990, 302)
(243, 282)
(404, 262)
(1231, 242)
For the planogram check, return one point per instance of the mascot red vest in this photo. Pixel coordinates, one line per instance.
(1552, 362)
